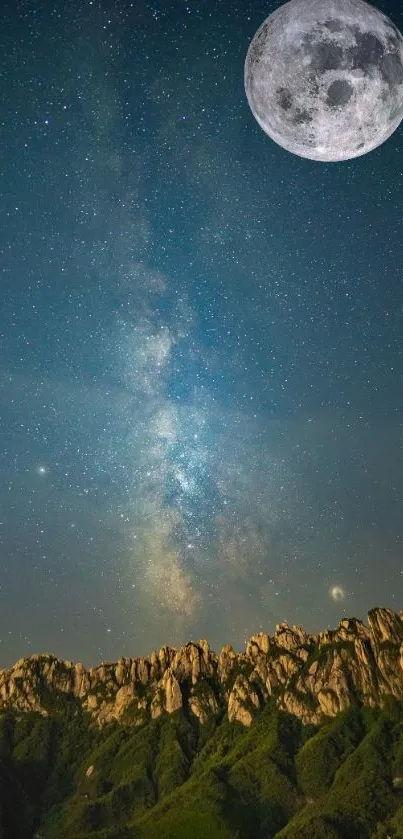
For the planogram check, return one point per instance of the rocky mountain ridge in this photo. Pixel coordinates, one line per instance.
(312, 676)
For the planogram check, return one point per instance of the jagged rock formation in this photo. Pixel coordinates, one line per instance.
(310, 676)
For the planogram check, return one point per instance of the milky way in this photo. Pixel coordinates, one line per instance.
(200, 363)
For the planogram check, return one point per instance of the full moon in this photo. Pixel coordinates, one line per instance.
(324, 78)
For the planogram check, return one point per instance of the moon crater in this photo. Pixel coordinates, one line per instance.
(339, 93)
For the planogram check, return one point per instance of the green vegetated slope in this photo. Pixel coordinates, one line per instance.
(63, 778)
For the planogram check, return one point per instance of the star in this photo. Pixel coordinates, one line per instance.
(337, 593)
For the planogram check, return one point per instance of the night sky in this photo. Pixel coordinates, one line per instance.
(200, 343)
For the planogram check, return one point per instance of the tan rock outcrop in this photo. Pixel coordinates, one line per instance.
(242, 700)
(311, 676)
(203, 704)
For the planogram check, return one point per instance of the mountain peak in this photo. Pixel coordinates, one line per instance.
(312, 676)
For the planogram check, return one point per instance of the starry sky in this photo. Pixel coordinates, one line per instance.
(200, 343)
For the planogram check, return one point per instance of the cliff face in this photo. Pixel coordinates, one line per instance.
(311, 676)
